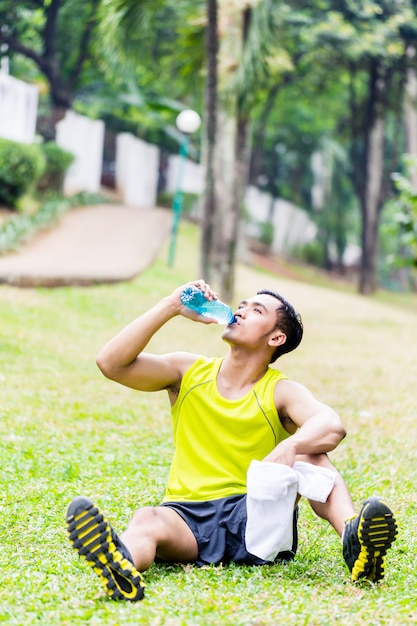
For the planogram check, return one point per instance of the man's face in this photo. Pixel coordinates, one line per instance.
(256, 322)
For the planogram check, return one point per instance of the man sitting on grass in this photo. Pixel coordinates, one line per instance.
(228, 414)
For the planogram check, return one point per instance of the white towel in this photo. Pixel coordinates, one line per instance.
(271, 493)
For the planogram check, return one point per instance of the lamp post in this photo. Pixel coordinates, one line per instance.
(187, 122)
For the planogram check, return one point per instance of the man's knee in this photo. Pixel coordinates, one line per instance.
(145, 515)
(163, 526)
(147, 521)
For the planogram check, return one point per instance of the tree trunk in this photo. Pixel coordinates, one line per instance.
(371, 207)
(230, 140)
(238, 186)
(60, 95)
(367, 160)
(47, 121)
(224, 222)
(209, 198)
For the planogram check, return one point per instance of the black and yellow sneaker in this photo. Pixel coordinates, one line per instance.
(96, 542)
(367, 538)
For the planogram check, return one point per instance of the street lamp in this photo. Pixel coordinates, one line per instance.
(187, 122)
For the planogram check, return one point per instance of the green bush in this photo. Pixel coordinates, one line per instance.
(266, 233)
(312, 253)
(58, 161)
(188, 204)
(21, 165)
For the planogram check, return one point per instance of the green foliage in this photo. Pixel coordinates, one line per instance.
(59, 40)
(145, 59)
(152, 56)
(21, 226)
(21, 165)
(58, 161)
(406, 217)
(189, 201)
(313, 253)
(399, 228)
(266, 233)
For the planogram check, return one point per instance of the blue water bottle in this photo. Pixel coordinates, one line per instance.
(193, 298)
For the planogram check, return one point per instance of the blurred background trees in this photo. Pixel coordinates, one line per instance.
(312, 101)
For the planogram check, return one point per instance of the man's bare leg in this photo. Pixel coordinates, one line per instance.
(367, 536)
(118, 561)
(339, 506)
(159, 532)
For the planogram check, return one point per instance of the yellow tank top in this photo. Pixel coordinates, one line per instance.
(216, 438)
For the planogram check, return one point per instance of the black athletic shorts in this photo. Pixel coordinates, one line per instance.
(219, 528)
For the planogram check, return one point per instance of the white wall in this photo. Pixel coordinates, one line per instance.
(83, 137)
(137, 168)
(18, 109)
(292, 226)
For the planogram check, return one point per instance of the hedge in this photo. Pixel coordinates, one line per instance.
(21, 166)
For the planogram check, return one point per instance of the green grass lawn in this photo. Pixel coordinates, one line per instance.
(66, 430)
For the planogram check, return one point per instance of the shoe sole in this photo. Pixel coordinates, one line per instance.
(90, 534)
(377, 531)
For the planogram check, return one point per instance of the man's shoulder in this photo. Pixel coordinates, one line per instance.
(184, 360)
(289, 392)
(276, 374)
(286, 385)
(199, 364)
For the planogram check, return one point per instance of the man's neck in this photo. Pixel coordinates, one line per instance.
(239, 372)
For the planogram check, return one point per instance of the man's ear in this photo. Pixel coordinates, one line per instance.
(277, 339)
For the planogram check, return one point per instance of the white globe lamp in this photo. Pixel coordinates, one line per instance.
(188, 121)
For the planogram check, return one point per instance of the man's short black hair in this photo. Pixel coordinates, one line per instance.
(289, 321)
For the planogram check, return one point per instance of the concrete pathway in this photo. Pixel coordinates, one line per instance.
(98, 244)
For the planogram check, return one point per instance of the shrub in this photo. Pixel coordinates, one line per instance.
(266, 233)
(312, 253)
(21, 225)
(189, 201)
(21, 165)
(58, 161)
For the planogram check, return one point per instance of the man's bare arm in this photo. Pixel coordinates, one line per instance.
(123, 358)
(318, 428)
